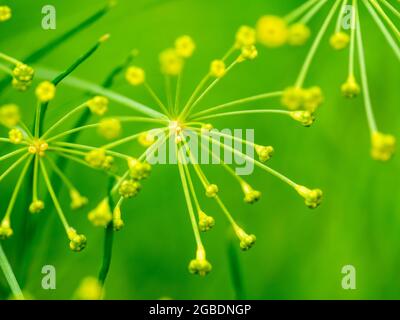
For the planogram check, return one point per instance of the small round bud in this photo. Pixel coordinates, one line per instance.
(250, 195)
(293, 98)
(38, 147)
(211, 190)
(135, 76)
(272, 31)
(248, 53)
(98, 105)
(16, 136)
(5, 13)
(138, 170)
(312, 198)
(205, 222)
(350, 89)
(118, 223)
(217, 68)
(185, 46)
(129, 188)
(96, 158)
(306, 118)
(200, 265)
(77, 241)
(77, 201)
(339, 40)
(36, 206)
(5, 229)
(109, 128)
(383, 146)
(9, 115)
(23, 73)
(264, 152)
(245, 36)
(45, 91)
(246, 240)
(298, 35)
(171, 63)
(146, 139)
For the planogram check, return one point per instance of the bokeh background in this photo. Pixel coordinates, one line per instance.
(299, 252)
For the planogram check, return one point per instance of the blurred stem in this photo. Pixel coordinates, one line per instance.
(108, 239)
(9, 275)
(235, 270)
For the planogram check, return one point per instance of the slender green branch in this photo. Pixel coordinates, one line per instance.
(9, 275)
(242, 112)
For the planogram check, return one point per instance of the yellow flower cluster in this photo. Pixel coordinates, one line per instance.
(383, 146)
(89, 289)
(129, 188)
(9, 115)
(312, 198)
(339, 40)
(77, 200)
(36, 206)
(98, 158)
(135, 75)
(109, 128)
(246, 240)
(38, 147)
(185, 46)
(212, 190)
(101, 215)
(138, 170)
(250, 195)
(15, 135)
(350, 89)
(306, 118)
(206, 222)
(77, 241)
(264, 152)
(22, 76)
(217, 68)
(5, 229)
(296, 98)
(118, 223)
(171, 63)
(98, 105)
(45, 91)
(200, 265)
(146, 139)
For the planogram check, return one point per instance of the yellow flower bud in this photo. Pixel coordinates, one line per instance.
(9, 115)
(217, 68)
(89, 289)
(38, 147)
(101, 215)
(250, 195)
(298, 34)
(313, 98)
(312, 198)
(98, 105)
(171, 63)
(306, 118)
(146, 139)
(77, 241)
(383, 146)
(135, 76)
(246, 240)
(350, 89)
(211, 190)
(118, 223)
(77, 201)
(23, 73)
(185, 46)
(245, 36)
(272, 31)
(200, 265)
(293, 98)
(248, 53)
(5, 229)
(264, 152)
(36, 206)
(110, 128)
(20, 85)
(15, 135)
(5, 13)
(129, 188)
(339, 40)
(45, 91)
(205, 222)
(96, 158)
(138, 170)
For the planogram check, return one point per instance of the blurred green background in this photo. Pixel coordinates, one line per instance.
(299, 253)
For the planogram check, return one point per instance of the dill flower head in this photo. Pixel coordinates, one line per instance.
(5, 13)
(9, 115)
(135, 75)
(101, 215)
(110, 128)
(171, 63)
(246, 240)
(211, 190)
(129, 188)
(350, 89)
(383, 146)
(298, 34)
(15, 135)
(138, 170)
(36, 206)
(185, 46)
(77, 200)
(245, 37)
(38, 147)
(98, 105)
(306, 118)
(146, 139)
(272, 31)
(22, 76)
(217, 68)
(250, 195)
(206, 222)
(264, 152)
(339, 40)
(45, 91)
(312, 197)
(97, 158)
(248, 53)
(200, 265)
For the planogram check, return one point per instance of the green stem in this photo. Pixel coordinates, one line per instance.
(235, 270)
(9, 275)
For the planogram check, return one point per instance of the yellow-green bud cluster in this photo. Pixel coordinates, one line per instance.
(5, 229)
(36, 206)
(306, 118)
(205, 222)
(118, 223)
(211, 190)
(99, 159)
(101, 215)
(383, 146)
(200, 265)
(129, 188)
(77, 241)
(250, 195)
(312, 197)
(9, 115)
(77, 200)
(98, 105)
(246, 240)
(264, 152)
(138, 170)
(22, 76)
(296, 98)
